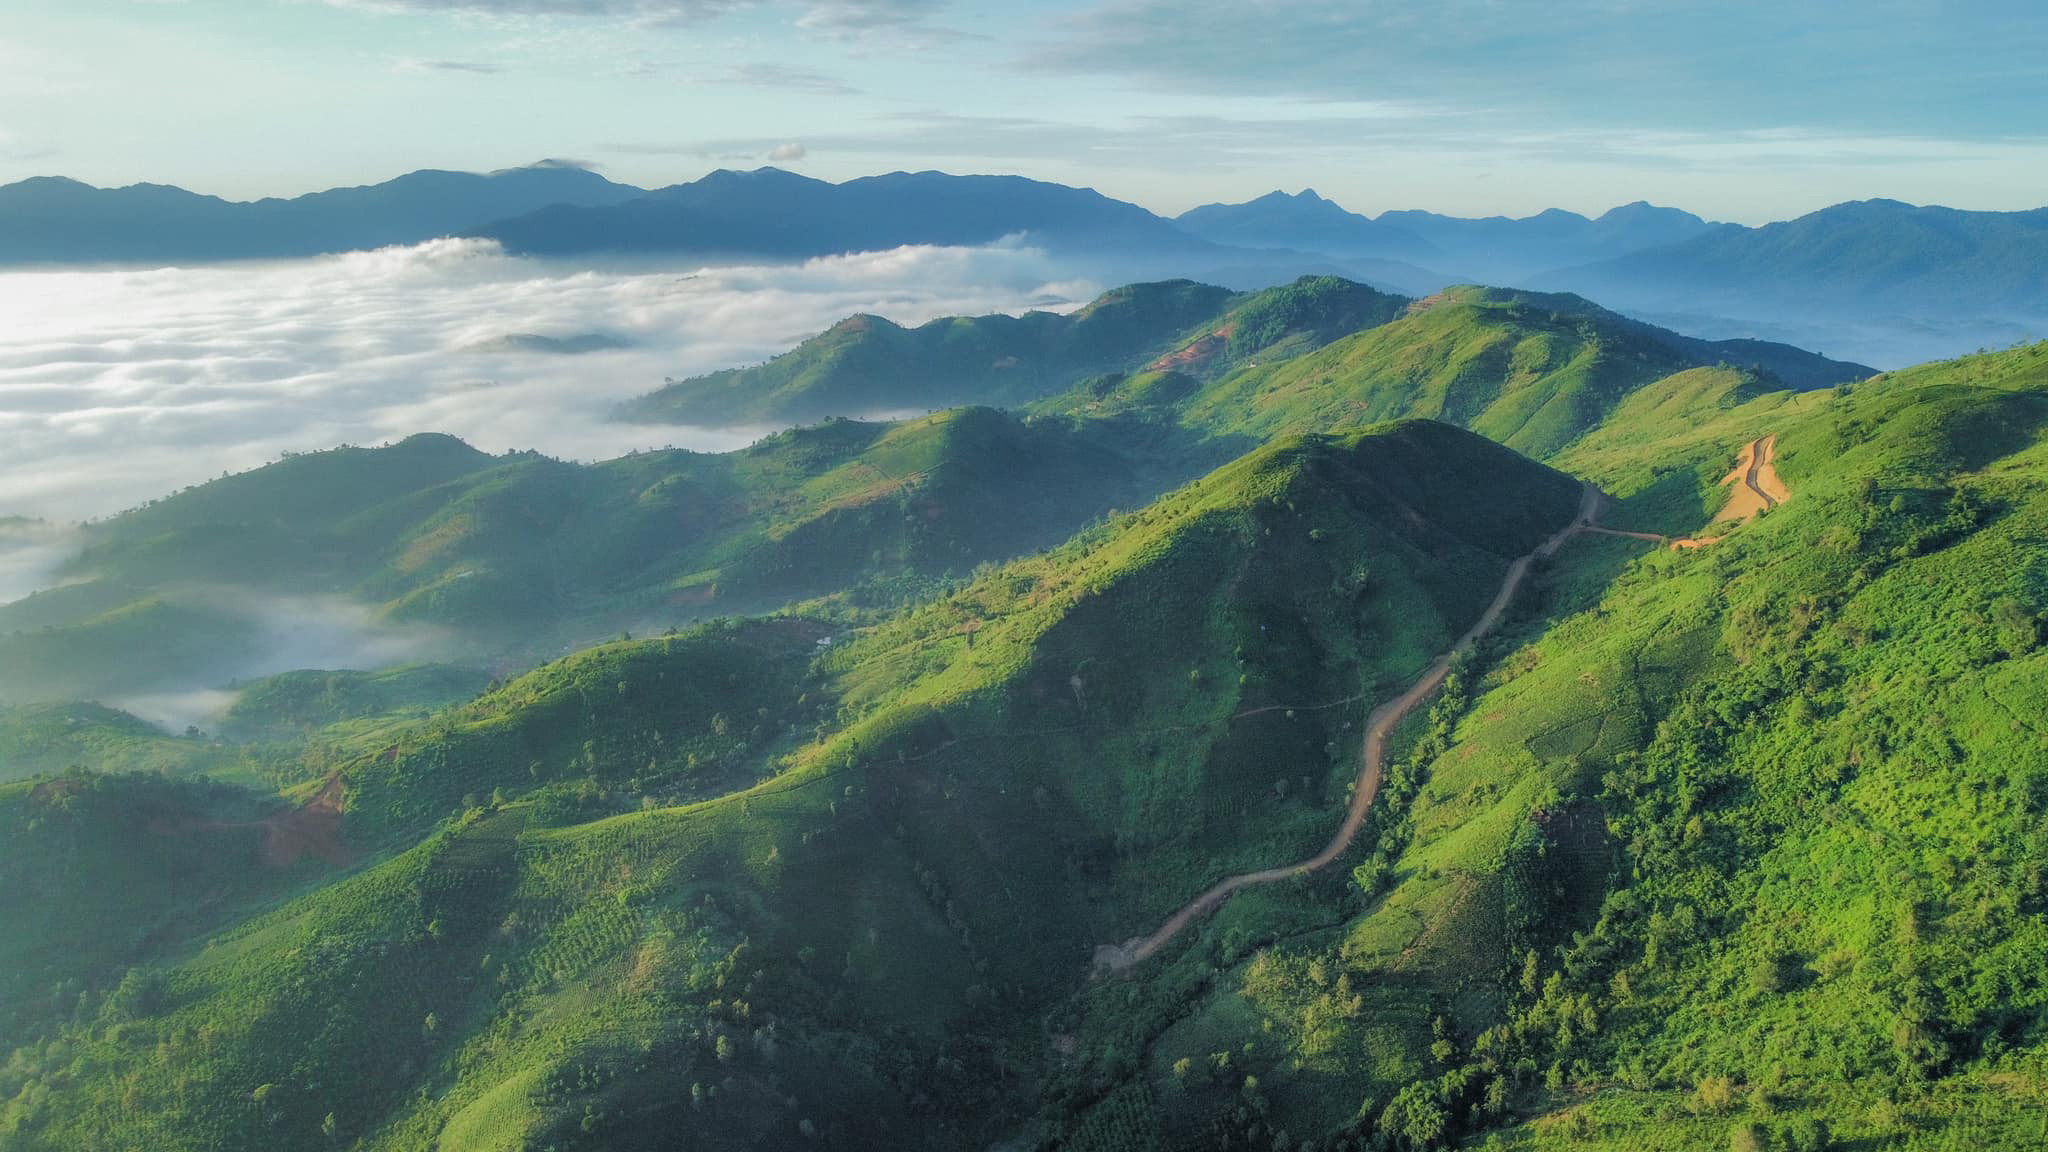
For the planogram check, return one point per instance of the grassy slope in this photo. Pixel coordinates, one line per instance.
(1532, 372)
(528, 553)
(103, 871)
(43, 739)
(294, 705)
(147, 642)
(878, 909)
(867, 365)
(1769, 816)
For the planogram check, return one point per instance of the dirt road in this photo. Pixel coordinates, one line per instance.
(1759, 489)
(1755, 481)
(1110, 958)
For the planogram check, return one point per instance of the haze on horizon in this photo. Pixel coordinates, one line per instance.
(1741, 111)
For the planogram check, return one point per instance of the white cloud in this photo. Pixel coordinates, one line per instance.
(473, 67)
(783, 153)
(30, 551)
(836, 19)
(121, 386)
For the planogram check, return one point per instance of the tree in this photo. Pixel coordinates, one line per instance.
(1416, 1116)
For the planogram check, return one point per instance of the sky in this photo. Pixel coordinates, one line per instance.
(1745, 110)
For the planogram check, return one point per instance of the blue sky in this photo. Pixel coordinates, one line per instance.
(1737, 109)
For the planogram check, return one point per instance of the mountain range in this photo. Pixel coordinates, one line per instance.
(1875, 280)
(1491, 250)
(1222, 343)
(853, 789)
(970, 779)
(50, 220)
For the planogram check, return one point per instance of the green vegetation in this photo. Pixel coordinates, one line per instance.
(865, 365)
(1744, 850)
(1533, 372)
(517, 557)
(132, 648)
(611, 839)
(1738, 846)
(294, 705)
(46, 739)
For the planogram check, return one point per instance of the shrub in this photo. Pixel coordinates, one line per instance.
(1747, 1138)
(1714, 1096)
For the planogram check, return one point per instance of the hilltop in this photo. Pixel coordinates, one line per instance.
(1310, 340)
(428, 547)
(866, 364)
(49, 220)
(1534, 372)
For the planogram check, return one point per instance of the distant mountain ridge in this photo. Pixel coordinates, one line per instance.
(1492, 249)
(866, 364)
(775, 213)
(51, 220)
(1860, 256)
(1198, 334)
(1307, 222)
(1879, 280)
(1500, 249)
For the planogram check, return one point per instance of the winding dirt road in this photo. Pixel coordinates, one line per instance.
(1759, 487)
(1111, 958)
(1760, 490)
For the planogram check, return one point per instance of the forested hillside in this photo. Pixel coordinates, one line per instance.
(1730, 832)
(908, 866)
(865, 364)
(438, 551)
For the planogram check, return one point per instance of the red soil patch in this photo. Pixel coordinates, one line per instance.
(1197, 352)
(311, 830)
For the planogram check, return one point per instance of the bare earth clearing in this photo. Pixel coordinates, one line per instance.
(1759, 490)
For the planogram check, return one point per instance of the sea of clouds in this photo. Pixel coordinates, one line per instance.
(120, 386)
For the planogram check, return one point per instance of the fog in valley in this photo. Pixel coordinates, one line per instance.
(118, 387)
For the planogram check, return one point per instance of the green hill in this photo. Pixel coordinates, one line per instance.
(1532, 372)
(1745, 850)
(294, 705)
(132, 648)
(44, 739)
(607, 959)
(101, 872)
(520, 555)
(866, 365)
(1733, 846)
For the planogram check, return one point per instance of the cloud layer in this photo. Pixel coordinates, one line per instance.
(1976, 69)
(121, 386)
